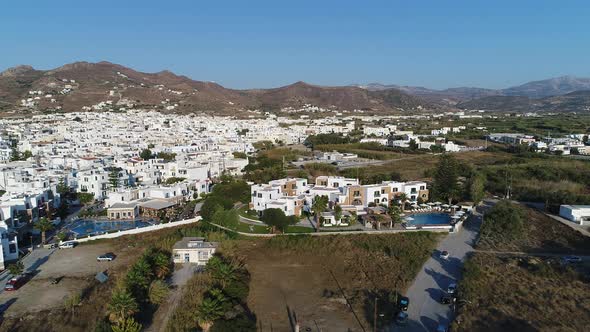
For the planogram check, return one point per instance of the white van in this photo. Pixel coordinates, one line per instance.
(67, 245)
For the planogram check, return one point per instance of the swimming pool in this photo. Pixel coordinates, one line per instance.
(94, 227)
(428, 219)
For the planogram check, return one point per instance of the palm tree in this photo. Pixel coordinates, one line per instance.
(43, 225)
(128, 325)
(16, 268)
(403, 198)
(395, 214)
(208, 312)
(221, 271)
(161, 264)
(122, 306)
(319, 205)
(158, 291)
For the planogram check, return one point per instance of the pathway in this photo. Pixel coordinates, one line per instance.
(165, 310)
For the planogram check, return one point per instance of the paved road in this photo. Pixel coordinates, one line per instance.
(32, 264)
(425, 311)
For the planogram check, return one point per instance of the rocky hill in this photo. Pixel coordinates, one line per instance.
(523, 97)
(104, 85)
(578, 101)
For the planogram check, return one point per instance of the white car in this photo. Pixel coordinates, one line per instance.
(67, 245)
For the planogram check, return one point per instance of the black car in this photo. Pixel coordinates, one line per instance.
(404, 302)
(446, 299)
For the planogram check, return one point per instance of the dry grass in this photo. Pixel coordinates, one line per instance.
(520, 294)
(542, 234)
(315, 276)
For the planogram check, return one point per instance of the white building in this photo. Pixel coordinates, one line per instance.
(577, 213)
(193, 250)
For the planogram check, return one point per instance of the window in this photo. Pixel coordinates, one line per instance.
(203, 255)
(357, 193)
(12, 248)
(422, 188)
(377, 193)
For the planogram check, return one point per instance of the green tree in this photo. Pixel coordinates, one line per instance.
(476, 187)
(162, 264)
(114, 178)
(138, 278)
(127, 325)
(395, 214)
(167, 156)
(209, 311)
(122, 306)
(445, 183)
(276, 219)
(62, 188)
(15, 154)
(146, 154)
(337, 212)
(402, 198)
(226, 218)
(319, 205)
(27, 154)
(61, 236)
(158, 291)
(16, 268)
(43, 225)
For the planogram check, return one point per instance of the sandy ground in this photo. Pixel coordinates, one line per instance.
(77, 266)
(286, 288)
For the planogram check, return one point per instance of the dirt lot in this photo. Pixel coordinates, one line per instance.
(313, 277)
(77, 266)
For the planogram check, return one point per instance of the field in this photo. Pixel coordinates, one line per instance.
(413, 167)
(314, 277)
(526, 293)
(541, 234)
(522, 294)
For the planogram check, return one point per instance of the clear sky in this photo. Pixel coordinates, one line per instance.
(248, 44)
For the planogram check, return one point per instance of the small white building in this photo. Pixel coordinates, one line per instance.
(193, 250)
(577, 213)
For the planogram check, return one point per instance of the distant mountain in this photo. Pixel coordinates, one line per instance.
(551, 87)
(578, 101)
(537, 89)
(80, 84)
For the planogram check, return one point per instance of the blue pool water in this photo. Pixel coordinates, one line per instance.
(95, 227)
(428, 219)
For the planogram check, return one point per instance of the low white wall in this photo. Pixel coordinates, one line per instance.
(138, 230)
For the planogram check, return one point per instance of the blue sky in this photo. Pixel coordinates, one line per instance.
(249, 44)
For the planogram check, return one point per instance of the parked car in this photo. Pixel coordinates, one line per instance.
(572, 259)
(16, 282)
(444, 254)
(67, 245)
(403, 303)
(446, 299)
(401, 318)
(109, 256)
(452, 288)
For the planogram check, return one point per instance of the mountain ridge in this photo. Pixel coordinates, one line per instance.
(92, 83)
